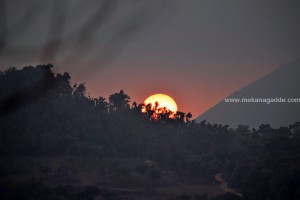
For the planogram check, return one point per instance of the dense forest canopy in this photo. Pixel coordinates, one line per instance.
(43, 115)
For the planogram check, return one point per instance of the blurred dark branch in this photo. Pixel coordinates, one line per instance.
(75, 44)
(104, 10)
(56, 28)
(141, 16)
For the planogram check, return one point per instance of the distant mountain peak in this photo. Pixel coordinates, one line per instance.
(282, 82)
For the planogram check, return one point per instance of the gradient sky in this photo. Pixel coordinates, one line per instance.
(196, 51)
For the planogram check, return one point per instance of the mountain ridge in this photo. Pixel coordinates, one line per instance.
(281, 82)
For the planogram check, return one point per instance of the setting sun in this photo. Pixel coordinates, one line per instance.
(163, 101)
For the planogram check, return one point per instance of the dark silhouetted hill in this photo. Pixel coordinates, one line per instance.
(58, 143)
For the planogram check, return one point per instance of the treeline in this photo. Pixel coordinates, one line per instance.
(43, 114)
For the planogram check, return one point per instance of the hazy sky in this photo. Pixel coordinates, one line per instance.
(195, 51)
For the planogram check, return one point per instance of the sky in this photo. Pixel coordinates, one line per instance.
(196, 51)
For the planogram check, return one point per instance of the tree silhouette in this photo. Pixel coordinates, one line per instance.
(119, 101)
(102, 104)
(79, 91)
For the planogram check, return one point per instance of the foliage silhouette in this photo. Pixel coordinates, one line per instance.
(44, 117)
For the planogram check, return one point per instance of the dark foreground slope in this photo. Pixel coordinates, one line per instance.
(58, 143)
(283, 82)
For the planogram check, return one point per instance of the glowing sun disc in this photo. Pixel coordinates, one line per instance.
(163, 101)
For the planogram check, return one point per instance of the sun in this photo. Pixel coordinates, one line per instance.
(163, 101)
